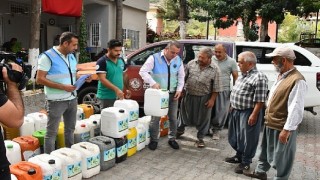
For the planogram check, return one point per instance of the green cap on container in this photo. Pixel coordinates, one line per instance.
(40, 136)
(9, 146)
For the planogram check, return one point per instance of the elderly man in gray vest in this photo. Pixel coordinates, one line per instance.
(284, 113)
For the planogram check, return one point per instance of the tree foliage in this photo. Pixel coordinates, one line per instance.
(291, 28)
(84, 55)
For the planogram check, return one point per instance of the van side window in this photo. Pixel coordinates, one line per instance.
(140, 59)
(190, 51)
(258, 51)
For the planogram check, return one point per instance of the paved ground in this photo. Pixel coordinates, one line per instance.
(191, 162)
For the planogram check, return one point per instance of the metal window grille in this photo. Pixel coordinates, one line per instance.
(131, 39)
(94, 32)
(19, 8)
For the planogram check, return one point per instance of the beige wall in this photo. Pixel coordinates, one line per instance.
(136, 20)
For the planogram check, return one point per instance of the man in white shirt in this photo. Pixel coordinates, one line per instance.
(284, 113)
(164, 70)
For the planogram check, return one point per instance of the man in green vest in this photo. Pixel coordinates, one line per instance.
(285, 107)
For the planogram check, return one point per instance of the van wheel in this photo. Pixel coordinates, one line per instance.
(88, 95)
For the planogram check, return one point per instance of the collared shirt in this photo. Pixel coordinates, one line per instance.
(226, 66)
(44, 63)
(149, 65)
(249, 89)
(295, 101)
(200, 82)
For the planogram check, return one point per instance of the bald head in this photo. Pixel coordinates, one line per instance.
(220, 52)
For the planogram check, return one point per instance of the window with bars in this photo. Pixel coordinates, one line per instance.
(19, 8)
(130, 39)
(94, 34)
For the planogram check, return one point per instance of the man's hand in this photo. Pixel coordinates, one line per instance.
(209, 103)
(252, 119)
(283, 136)
(120, 94)
(177, 95)
(69, 88)
(128, 94)
(156, 86)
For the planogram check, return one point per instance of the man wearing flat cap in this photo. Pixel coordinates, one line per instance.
(285, 107)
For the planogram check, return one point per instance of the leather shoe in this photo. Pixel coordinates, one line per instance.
(173, 144)
(153, 145)
(179, 134)
(241, 168)
(256, 175)
(233, 160)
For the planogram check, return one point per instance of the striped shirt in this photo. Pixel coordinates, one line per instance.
(249, 89)
(200, 82)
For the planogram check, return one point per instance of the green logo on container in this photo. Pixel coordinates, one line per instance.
(164, 103)
(93, 161)
(122, 150)
(132, 143)
(142, 137)
(122, 125)
(109, 154)
(74, 169)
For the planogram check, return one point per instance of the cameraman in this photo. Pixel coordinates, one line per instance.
(11, 115)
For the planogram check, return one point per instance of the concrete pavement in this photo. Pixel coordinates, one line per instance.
(191, 162)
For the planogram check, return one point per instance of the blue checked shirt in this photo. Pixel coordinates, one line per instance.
(249, 89)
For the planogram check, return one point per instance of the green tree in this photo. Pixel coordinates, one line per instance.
(84, 55)
(176, 10)
(291, 28)
(274, 11)
(224, 13)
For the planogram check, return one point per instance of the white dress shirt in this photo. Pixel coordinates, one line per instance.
(148, 67)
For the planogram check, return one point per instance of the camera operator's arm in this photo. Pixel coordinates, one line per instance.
(11, 106)
(41, 79)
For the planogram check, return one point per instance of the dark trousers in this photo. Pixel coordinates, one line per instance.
(242, 137)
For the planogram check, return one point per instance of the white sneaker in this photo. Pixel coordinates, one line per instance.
(216, 135)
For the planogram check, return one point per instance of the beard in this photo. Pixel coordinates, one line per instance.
(278, 67)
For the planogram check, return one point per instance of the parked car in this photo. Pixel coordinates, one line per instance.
(306, 62)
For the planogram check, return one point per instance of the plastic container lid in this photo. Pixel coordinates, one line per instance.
(94, 122)
(9, 146)
(121, 111)
(83, 125)
(31, 171)
(51, 161)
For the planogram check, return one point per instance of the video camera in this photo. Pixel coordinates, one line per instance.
(19, 77)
